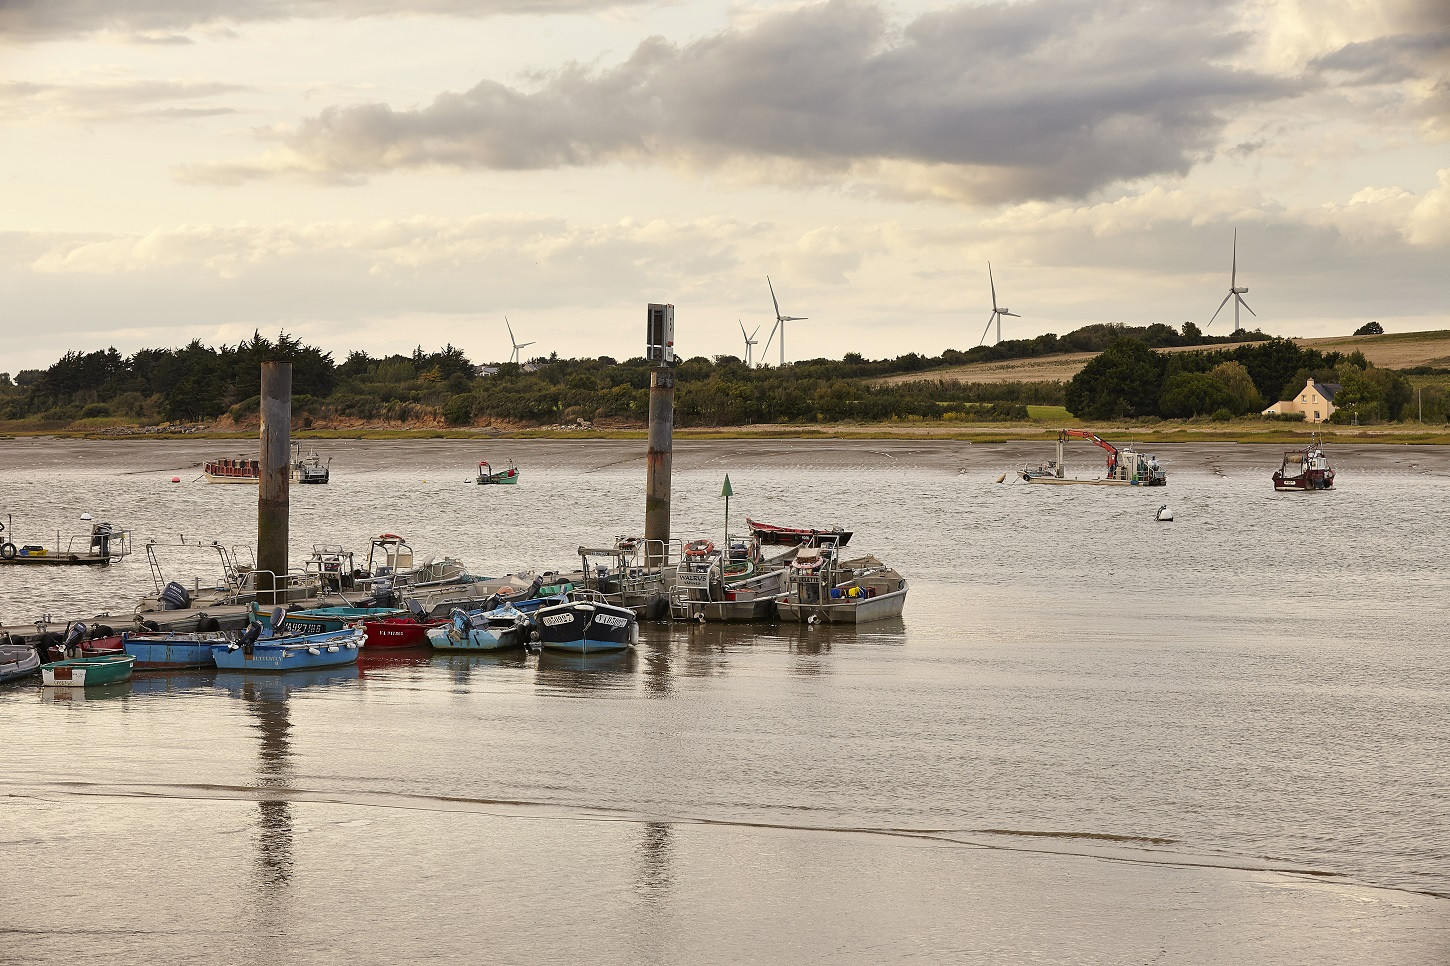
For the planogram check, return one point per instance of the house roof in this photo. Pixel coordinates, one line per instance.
(1327, 389)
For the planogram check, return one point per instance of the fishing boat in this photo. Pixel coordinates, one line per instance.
(496, 626)
(103, 545)
(488, 475)
(173, 650)
(733, 584)
(585, 623)
(17, 661)
(289, 652)
(1304, 470)
(1126, 467)
(791, 536)
(314, 620)
(234, 585)
(397, 633)
(634, 573)
(821, 588)
(240, 469)
(87, 672)
(310, 469)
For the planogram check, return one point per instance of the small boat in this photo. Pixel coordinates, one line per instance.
(733, 584)
(310, 469)
(497, 627)
(635, 574)
(17, 661)
(289, 652)
(1126, 467)
(396, 633)
(315, 620)
(585, 623)
(1304, 470)
(103, 545)
(488, 475)
(822, 588)
(87, 672)
(238, 470)
(164, 651)
(790, 536)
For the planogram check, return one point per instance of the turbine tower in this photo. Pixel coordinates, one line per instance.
(1234, 291)
(750, 341)
(513, 341)
(780, 321)
(997, 312)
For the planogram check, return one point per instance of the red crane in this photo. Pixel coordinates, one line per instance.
(1095, 438)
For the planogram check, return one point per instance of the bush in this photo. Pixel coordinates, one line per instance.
(458, 410)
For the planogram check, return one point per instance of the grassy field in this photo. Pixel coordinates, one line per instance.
(1394, 350)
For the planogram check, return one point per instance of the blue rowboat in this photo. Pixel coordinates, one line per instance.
(586, 625)
(160, 651)
(495, 630)
(291, 653)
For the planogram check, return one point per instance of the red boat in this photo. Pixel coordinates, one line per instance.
(790, 536)
(399, 632)
(1303, 470)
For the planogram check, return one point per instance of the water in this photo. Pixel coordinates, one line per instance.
(1092, 737)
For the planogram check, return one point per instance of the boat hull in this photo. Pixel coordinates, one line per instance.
(397, 634)
(579, 627)
(17, 661)
(87, 672)
(291, 654)
(161, 652)
(862, 610)
(1063, 481)
(1309, 482)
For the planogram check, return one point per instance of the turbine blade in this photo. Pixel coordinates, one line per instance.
(1246, 305)
(1013, 314)
(766, 348)
(1233, 275)
(512, 340)
(742, 330)
(1220, 307)
(993, 282)
(525, 345)
(990, 319)
(773, 299)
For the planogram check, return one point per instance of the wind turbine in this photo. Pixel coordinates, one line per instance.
(780, 321)
(513, 340)
(750, 340)
(997, 312)
(1234, 291)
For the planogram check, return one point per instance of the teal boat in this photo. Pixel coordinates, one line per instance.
(488, 475)
(315, 620)
(87, 672)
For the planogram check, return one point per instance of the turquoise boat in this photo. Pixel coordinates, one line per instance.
(87, 672)
(510, 625)
(291, 652)
(317, 619)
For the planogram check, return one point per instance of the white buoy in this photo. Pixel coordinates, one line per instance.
(87, 516)
(1164, 514)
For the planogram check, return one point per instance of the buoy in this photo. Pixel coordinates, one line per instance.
(1002, 478)
(87, 516)
(1164, 515)
(176, 479)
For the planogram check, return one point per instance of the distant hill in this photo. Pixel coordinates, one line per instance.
(1393, 350)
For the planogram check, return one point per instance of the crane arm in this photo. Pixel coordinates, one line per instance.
(1112, 450)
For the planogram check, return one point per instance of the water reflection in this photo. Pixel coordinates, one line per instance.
(655, 878)
(612, 671)
(62, 697)
(462, 667)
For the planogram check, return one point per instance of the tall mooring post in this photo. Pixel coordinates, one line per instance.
(660, 348)
(272, 492)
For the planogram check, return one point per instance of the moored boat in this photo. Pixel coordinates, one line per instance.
(1304, 470)
(289, 653)
(487, 475)
(1126, 467)
(162, 651)
(733, 584)
(790, 536)
(239, 469)
(822, 588)
(310, 469)
(18, 661)
(87, 672)
(586, 624)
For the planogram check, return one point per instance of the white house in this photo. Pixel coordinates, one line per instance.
(1315, 401)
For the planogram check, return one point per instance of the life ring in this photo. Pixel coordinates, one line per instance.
(7, 550)
(805, 564)
(389, 536)
(699, 548)
(505, 592)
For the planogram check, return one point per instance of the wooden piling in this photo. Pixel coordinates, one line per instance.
(272, 493)
(661, 445)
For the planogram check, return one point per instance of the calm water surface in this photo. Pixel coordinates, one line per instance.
(1092, 737)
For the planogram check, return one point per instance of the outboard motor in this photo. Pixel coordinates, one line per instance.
(101, 539)
(174, 597)
(279, 620)
(249, 637)
(73, 639)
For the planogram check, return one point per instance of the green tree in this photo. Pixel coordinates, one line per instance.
(1125, 379)
(1370, 328)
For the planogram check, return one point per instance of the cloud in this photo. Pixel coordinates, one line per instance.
(986, 102)
(161, 21)
(112, 100)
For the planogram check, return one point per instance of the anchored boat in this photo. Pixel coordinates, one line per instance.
(103, 545)
(310, 469)
(87, 672)
(1126, 467)
(1304, 470)
(497, 629)
(288, 653)
(734, 584)
(17, 661)
(586, 623)
(791, 536)
(488, 475)
(823, 589)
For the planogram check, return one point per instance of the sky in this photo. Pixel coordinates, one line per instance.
(379, 175)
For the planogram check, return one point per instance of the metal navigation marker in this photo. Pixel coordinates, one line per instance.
(660, 333)
(727, 491)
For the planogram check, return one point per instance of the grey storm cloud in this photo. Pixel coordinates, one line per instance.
(153, 20)
(1038, 98)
